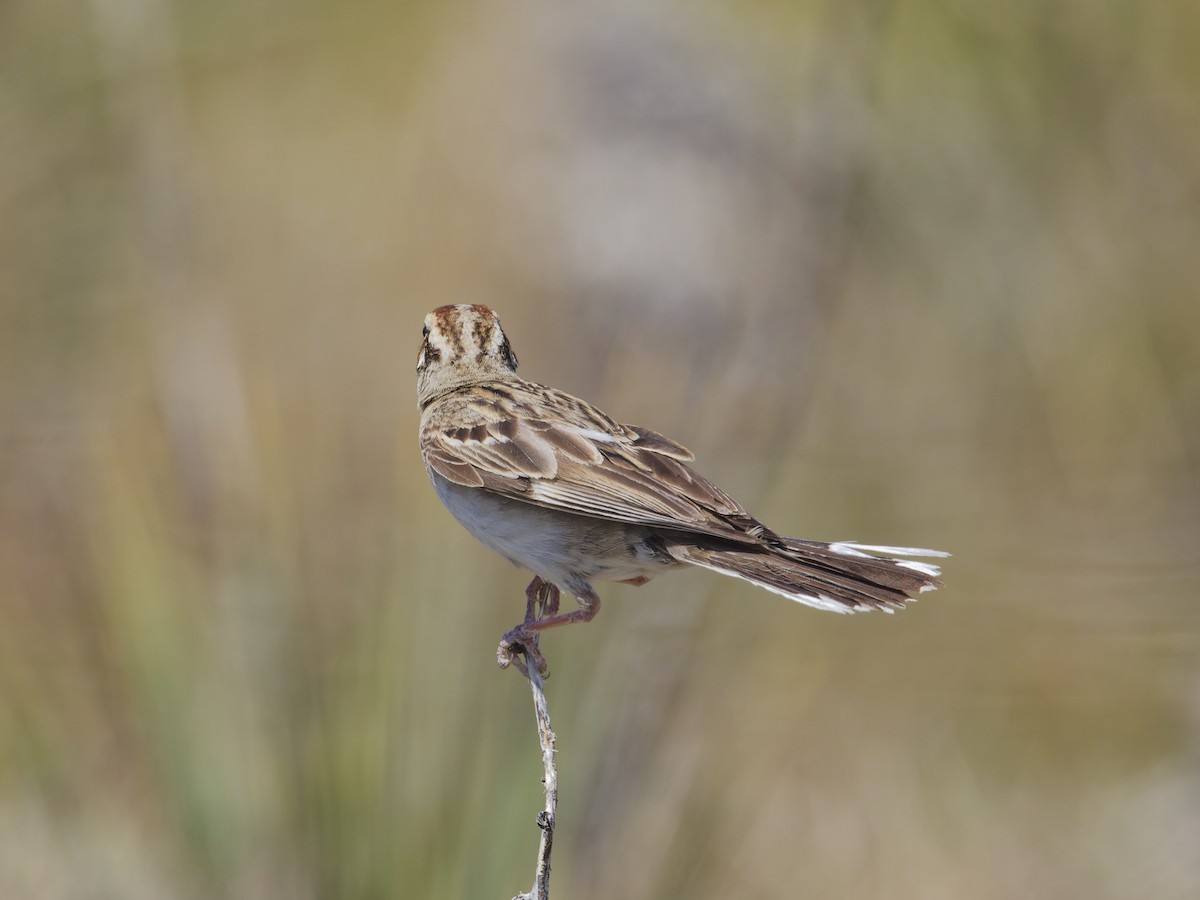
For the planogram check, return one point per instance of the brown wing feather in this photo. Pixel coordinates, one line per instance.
(579, 461)
(652, 440)
(453, 469)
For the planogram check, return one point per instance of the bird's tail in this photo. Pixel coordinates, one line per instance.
(843, 577)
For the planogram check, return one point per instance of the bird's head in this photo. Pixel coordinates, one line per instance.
(461, 345)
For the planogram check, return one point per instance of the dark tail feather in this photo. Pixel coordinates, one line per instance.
(842, 577)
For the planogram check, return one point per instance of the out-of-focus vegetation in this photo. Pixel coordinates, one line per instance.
(912, 272)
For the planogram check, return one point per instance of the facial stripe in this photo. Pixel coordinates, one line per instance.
(453, 331)
(467, 332)
(441, 327)
(483, 328)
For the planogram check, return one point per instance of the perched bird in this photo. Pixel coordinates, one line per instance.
(557, 487)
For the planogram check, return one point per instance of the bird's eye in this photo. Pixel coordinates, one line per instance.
(424, 331)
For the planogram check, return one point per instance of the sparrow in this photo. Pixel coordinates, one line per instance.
(556, 486)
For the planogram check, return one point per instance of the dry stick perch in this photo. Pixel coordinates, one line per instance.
(545, 820)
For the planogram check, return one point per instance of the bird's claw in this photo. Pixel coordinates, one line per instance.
(520, 643)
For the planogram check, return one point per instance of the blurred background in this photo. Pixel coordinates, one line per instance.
(919, 272)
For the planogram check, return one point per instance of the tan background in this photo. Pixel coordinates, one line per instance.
(910, 272)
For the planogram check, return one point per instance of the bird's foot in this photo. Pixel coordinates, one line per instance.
(541, 602)
(519, 643)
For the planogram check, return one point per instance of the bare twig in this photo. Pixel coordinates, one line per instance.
(545, 819)
(541, 602)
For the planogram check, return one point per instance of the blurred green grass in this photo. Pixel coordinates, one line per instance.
(913, 273)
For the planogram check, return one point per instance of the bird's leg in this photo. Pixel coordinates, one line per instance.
(548, 597)
(541, 612)
(541, 601)
(589, 605)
